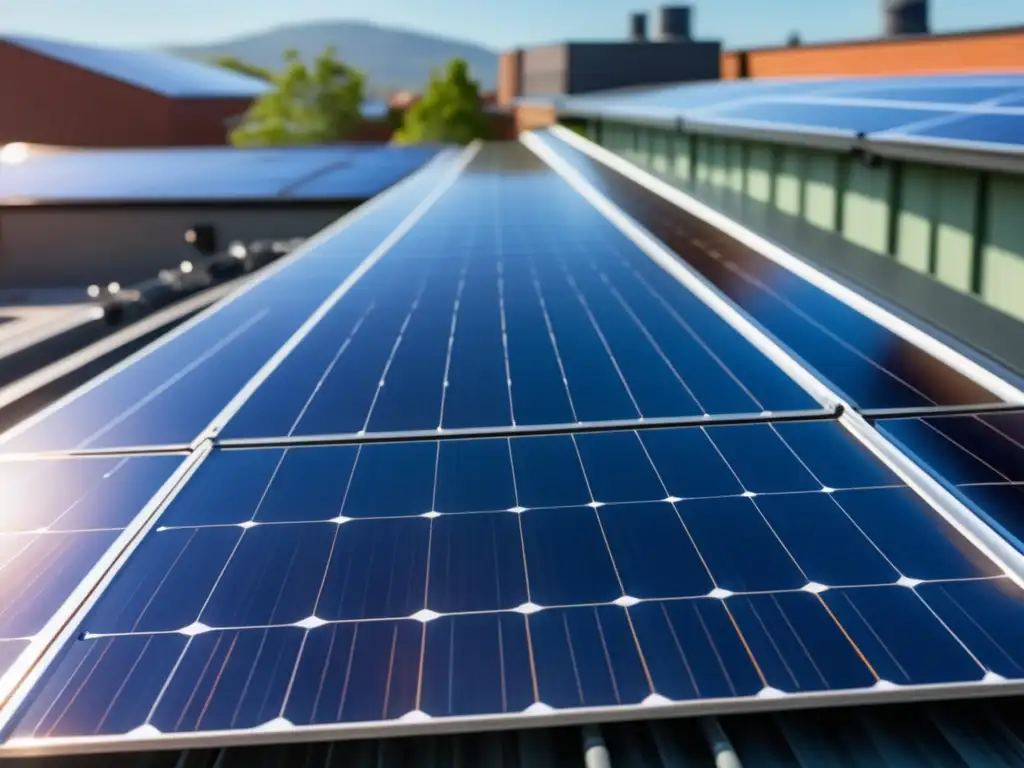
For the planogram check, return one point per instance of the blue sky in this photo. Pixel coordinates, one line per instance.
(497, 23)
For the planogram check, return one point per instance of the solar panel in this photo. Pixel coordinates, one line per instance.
(159, 72)
(982, 457)
(341, 172)
(481, 586)
(535, 310)
(968, 105)
(169, 394)
(61, 518)
(395, 575)
(1007, 129)
(869, 364)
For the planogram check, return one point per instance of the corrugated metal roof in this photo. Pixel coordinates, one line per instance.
(157, 72)
(986, 733)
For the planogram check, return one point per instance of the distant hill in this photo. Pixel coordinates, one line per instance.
(391, 58)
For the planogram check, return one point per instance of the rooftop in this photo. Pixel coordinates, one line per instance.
(149, 70)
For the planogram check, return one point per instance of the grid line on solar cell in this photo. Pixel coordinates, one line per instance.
(596, 598)
(870, 365)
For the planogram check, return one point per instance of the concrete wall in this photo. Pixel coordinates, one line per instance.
(963, 228)
(51, 247)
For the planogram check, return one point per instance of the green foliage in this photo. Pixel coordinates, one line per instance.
(318, 104)
(235, 64)
(450, 111)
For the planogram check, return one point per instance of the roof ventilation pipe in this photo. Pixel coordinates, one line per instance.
(674, 23)
(905, 17)
(638, 27)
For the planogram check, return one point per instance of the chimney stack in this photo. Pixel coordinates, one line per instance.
(674, 23)
(638, 27)
(905, 17)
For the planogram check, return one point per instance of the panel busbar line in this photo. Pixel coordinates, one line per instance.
(298, 593)
(513, 302)
(170, 391)
(869, 364)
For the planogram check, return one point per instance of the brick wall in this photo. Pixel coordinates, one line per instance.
(984, 51)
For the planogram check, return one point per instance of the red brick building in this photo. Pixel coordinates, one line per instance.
(78, 95)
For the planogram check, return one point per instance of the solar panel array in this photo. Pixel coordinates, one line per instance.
(471, 454)
(978, 109)
(210, 174)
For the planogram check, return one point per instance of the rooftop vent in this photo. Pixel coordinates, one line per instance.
(638, 27)
(905, 17)
(674, 23)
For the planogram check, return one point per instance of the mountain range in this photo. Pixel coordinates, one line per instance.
(391, 58)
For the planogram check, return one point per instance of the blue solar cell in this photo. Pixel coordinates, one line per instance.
(391, 480)
(171, 394)
(689, 464)
(378, 568)
(654, 555)
(980, 458)
(919, 543)
(587, 657)
(158, 72)
(762, 460)
(866, 363)
(693, 650)
(474, 476)
(799, 646)
(567, 559)
(989, 128)
(901, 637)
(834, 456)
(476, 564)
(618, 469)
(825, 540)
(476, 665)
(60, 517)
(548, 472)
(742, 552)
(832, 117)
(987, 615)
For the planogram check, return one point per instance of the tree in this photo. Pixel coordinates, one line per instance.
(319, 104)
(235, 64)
(450, 111)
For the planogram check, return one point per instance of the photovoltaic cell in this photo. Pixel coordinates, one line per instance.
(491, 575)
(171, 393)
(513, 302)
(59, 517)
(868, 364)
(980, 457)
